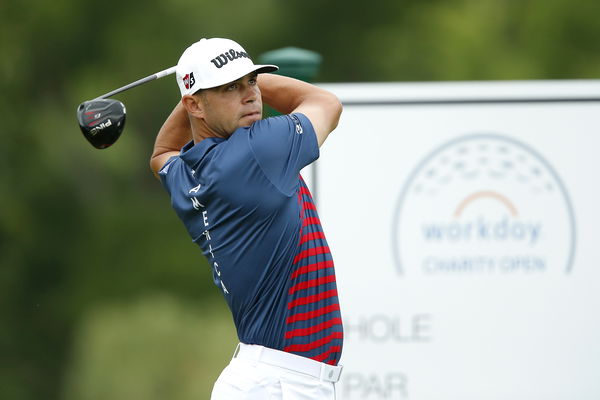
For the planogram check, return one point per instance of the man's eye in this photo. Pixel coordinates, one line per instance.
(232, 87)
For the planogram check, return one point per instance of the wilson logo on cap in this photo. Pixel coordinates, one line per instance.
(231, 55)
(188, 80)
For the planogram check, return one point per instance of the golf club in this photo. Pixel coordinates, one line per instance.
(102, 120)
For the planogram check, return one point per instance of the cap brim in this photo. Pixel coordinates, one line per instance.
(259, 69)
(266, 68)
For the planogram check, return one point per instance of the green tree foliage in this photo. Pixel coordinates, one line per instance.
(81, 227)
(451, 39)
(152, 349)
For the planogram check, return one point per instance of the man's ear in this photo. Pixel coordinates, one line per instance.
(193, 105)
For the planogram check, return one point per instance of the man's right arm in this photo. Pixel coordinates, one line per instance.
(173, 135)
(288, 95)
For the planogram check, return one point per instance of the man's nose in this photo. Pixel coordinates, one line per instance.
(251, 93)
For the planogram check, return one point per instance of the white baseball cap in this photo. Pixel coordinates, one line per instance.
(214, 62)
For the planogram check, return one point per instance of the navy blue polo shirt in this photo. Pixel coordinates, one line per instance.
(243, 201)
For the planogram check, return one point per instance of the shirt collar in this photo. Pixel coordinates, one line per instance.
(192, 153)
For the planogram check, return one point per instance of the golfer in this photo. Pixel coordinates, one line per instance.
(234, 181)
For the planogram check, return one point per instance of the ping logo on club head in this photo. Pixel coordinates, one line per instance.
(100, 127)
(483, 204)
(188, 80)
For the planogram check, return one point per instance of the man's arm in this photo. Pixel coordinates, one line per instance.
(288, 95)
(173, 135)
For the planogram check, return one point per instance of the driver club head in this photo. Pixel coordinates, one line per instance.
(101, 121)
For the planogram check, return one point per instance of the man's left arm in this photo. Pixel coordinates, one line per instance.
(289, 95)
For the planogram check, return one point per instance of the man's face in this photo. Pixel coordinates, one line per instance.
(232, 105)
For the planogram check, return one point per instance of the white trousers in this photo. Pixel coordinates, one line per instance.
(251, 376)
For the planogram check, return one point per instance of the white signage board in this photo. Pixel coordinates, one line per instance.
(463, 221)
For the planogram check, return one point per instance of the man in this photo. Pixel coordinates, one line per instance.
(234, 181)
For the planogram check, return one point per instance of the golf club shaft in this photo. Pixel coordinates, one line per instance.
(152, 77)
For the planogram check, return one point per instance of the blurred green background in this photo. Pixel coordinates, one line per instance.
(102, 293)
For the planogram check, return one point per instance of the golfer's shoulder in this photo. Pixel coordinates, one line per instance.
(282, 125)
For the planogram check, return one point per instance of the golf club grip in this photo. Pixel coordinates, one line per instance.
(157, 75)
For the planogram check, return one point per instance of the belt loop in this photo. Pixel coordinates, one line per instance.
(330, 373)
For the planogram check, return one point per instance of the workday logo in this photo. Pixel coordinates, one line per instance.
(483, 204)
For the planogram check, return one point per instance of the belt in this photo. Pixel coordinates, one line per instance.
(316, 369)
